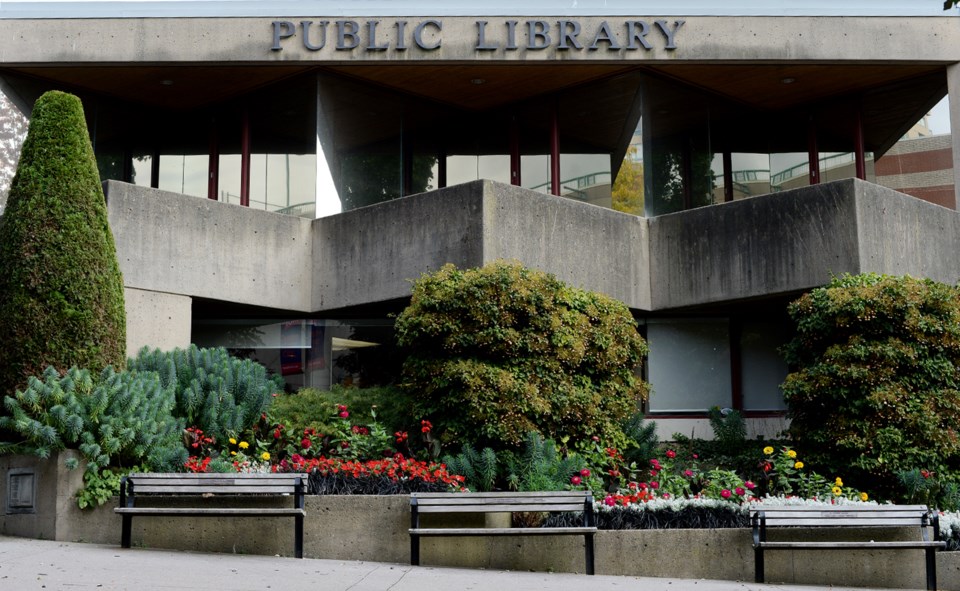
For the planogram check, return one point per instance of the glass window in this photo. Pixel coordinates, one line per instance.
(314, 353)
(689, 364)
(763, 370)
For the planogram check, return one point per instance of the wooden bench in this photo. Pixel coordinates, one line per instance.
(202, 487)
(847, 516)
(503, 502)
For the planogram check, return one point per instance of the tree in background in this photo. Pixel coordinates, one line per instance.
(875, 390)
(501, 351)
(628, 188)
(61, 292)
(13, 127)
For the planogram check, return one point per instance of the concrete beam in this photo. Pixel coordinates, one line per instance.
(698, 39)
(372, 254)
(953, 95)
(188, 246)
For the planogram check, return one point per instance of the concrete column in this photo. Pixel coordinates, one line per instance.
(953, 89)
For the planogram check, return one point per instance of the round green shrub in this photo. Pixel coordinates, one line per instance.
(61, 292)
(501, 351)
(875, 389)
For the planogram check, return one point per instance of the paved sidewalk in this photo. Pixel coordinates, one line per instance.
(27, 564)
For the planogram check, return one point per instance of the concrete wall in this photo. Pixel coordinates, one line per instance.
(156, 320)
(187, 247)
(372, 254)
(248, 40)
(795, 240)
(184, 245)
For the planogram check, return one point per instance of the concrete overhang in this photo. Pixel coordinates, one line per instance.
(893, 68)
(760, 247)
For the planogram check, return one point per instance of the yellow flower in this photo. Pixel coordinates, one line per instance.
(767, 450)
(837, 491)
(791, 453)
(233, 453)
(863, 497)
(233, 441)
(798, 465)
(838, 482)
(244, 445)
(265, 456)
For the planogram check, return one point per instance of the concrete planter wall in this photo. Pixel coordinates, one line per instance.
(375, 529)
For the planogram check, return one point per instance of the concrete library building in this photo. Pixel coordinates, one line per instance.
(277, 173)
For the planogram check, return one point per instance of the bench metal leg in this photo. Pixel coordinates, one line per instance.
(414, 550)
(931, 568)
(298, 536)
(758, 564)
(588, 549)
(125, 530)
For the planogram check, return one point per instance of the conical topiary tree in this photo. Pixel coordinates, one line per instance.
(61, 292)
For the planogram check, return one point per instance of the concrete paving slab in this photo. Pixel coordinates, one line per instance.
(27, 564)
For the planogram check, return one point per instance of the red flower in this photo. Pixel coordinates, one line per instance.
(575, 480)
(341, 407)
(355, 428)
(276, 433)
(585, 473)
(671, 454)
(306, 443)
(425, 426)
(725, 493)
(344, 444)
(344, 414)
(739, 491)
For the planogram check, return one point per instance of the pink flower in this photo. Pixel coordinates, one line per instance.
(739, 491)
(585, 473)
(688, 473)
(575, 481)
(725, 493)
(750, 485)
(654, 484)
(595, 439)
(665, 495)
(341, 407)
(344, 414)
(655, 463)
(609, 501)
(671, 454)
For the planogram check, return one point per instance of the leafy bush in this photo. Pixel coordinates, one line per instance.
(119, 419)
(501, 351)
(875, 389)
(310, 407)
(220, 394)
(61, 292)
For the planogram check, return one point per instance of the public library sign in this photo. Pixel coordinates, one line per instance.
(487, 36)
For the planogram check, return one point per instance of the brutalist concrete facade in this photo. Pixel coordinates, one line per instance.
(782, 243)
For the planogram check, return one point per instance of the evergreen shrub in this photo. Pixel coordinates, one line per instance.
(501, 351)
(61, 291)
(875, 389)
(220, 394)
(114, 419)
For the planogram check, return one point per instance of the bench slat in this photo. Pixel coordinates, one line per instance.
(506, 508)
(568, 494)
(246, 489)
(223, 511)
(843, 522)
(501, 531)
(840, 545)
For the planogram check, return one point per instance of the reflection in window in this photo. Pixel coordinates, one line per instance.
(689, 364)
(314, 353)
(762, 367)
